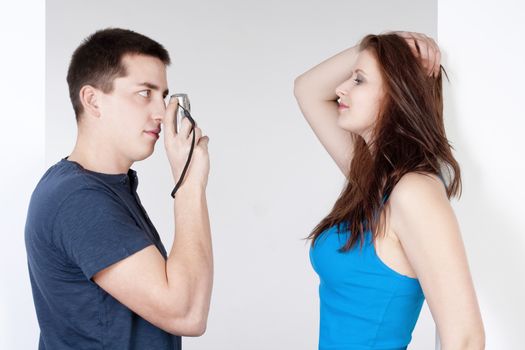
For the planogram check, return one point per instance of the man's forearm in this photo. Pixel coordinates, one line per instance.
(190, 261)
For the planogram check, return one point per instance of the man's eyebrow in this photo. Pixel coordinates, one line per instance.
(154, 87)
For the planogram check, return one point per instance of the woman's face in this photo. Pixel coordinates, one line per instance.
(360, 96)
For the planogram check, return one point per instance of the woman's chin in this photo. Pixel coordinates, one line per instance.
(344, 123)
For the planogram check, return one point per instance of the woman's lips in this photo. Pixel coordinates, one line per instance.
(342, 106)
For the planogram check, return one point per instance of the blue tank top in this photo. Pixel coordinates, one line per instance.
(364, 304)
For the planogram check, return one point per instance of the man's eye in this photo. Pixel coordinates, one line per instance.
(145, 93)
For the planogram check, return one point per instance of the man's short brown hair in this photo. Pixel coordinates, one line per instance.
(98, 60)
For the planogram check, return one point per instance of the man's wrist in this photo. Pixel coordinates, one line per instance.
(188, 189)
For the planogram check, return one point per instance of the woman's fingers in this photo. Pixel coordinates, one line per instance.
(428, 56)
(437, 65)
(426, 49)
(433, 55)
(411, 41)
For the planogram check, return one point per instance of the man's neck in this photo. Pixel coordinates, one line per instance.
(99, 159)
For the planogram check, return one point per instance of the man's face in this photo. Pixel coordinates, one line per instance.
(132, 113)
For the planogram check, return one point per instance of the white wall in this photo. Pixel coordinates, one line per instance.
(484, 55)
(22, 146)
(271, 181)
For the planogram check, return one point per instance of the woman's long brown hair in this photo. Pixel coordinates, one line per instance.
(408, 136)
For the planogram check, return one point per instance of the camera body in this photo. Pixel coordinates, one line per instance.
(184, 101)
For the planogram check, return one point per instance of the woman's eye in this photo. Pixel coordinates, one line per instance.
(358, 80)
(144, 93)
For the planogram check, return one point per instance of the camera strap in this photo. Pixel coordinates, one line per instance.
(177, 185)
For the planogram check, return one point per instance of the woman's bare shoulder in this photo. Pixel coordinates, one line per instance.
(417, 194)
(415, 186)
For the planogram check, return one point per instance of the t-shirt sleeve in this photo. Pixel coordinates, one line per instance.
(96, 230)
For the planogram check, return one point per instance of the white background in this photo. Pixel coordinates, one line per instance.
(484, 56)
(271, 181)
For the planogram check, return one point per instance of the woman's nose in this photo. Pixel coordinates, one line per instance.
(341, 90)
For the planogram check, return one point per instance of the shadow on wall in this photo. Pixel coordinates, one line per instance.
(489, 234)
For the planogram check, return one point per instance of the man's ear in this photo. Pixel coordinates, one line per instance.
(89, 98)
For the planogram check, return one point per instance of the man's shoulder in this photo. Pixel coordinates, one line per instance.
(58, 189)
(59, 182)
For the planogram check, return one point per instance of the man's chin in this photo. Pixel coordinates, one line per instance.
(143, 155)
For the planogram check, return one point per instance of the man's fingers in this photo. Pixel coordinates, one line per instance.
(203, 142)
(185, 127)
(198, 134)
(170, 128)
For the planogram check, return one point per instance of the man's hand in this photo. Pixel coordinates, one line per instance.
(178, 147)
(424, 48)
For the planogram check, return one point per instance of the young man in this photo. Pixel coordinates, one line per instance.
(100, 276)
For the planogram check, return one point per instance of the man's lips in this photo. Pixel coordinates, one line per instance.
(154, 133)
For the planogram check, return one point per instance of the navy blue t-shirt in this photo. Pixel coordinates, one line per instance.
(78, 223)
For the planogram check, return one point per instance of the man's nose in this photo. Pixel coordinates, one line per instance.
(159, 111)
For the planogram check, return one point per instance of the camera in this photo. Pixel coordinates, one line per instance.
(184, 102)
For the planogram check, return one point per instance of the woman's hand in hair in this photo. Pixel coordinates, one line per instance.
(426, 49)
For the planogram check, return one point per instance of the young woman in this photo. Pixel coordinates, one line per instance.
(391, 239)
